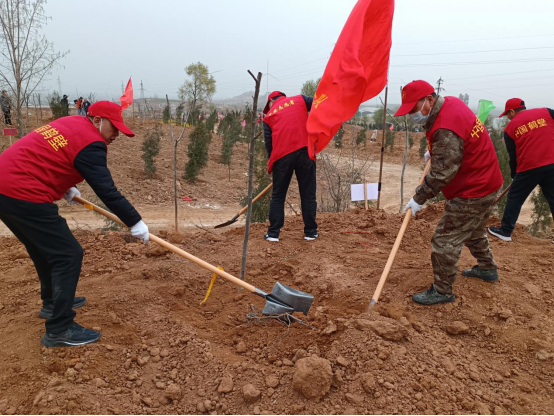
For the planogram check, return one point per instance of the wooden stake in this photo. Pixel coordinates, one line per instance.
(382, 146)
(365, 194)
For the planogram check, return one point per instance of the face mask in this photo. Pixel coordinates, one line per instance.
(419, 118)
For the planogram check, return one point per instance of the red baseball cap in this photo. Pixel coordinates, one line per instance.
(411, 94)
(513, 104)
(271, 97)
(112, 112)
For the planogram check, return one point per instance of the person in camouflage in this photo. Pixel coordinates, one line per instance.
(465, 168)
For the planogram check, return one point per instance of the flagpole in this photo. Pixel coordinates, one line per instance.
(382, 146)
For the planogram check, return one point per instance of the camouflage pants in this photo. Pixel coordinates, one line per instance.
(463, 223)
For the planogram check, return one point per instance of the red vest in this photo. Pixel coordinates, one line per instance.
(479, 174)
(287, 119)
(39, 166)
(533, 133)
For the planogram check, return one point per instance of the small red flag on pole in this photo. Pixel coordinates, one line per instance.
(127, 98)
(356, 72)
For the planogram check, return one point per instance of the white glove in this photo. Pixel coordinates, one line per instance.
(414, 206)
(70, 193)
(140, 230)
(427, 156)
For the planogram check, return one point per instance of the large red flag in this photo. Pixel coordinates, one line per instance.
(356, 72)
(127, 98)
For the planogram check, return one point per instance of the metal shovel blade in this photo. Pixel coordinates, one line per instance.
(284, 299)
(226, 223)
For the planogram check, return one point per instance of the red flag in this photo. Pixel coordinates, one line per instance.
(127, 98)
(356, 72)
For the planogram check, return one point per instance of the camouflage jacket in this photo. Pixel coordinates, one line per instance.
(448, 151)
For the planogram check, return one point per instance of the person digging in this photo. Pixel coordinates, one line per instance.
(286, 142)
(42, 167)
(465, 168)
(529, 139)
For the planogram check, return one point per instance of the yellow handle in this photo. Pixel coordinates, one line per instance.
(171, 247)
(396, 245)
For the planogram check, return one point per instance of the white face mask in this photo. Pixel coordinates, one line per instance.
(419, 118)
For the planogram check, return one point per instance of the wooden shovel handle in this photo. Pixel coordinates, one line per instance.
(171, 247)
(503, 193)
(268, 187)
(396, 245)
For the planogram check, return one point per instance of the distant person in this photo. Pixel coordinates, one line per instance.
(6, 106)
(86, 105)
(79, 106)
(286, 142)
(43, 167)
(373, 136)
(465, 168)
(65, 102)
(529, 138)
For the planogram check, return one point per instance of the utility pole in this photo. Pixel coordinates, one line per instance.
(267, 80)
(59, 86)
(439, 88)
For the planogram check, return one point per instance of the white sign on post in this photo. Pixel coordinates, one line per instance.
(357, 191)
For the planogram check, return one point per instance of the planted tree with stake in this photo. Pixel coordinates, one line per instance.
(27, 56)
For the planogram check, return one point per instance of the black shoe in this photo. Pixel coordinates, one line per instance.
(497, 232)
(272, 239)
(486, 275)
(311, 237)
(432, 297)
(73, 336)
(46, 311)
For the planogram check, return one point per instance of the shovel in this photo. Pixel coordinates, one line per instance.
(504, 192)
(395, 247)
(243, 210)
(281, 300)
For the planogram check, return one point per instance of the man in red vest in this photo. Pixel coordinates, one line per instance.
(529, 138)
(43, 167)
(465, 168)
(286, 142)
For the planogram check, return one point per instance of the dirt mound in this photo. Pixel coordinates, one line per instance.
(162, 353)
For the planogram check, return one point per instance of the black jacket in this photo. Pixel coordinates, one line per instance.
(267, 130)
(92, 164)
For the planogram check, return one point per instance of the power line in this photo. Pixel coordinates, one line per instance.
(490, 50)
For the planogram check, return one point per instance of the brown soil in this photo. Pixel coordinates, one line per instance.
(161, 352)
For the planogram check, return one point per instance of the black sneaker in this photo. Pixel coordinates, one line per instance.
(497, 232)
(311, 237)
(46, 311)
(272, 239)
(432, 297)
(73, 336)
(486, 275)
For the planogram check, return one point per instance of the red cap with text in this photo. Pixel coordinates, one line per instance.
(513, 104)
(411, 94)
(273, 95)
(112, 112)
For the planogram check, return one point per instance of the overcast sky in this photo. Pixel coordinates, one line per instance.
(485, 48)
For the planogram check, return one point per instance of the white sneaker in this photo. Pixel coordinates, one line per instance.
(272, 239)
(311, 237)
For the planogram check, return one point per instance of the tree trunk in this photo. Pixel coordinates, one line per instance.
(258, 81)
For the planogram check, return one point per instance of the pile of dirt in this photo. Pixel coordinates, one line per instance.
(160, 352)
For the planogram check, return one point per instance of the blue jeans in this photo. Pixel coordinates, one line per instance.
(297, 162)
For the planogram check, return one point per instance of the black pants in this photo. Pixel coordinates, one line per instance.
(522, 186)
(300, 163)
(7, 117)
(54, 250)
